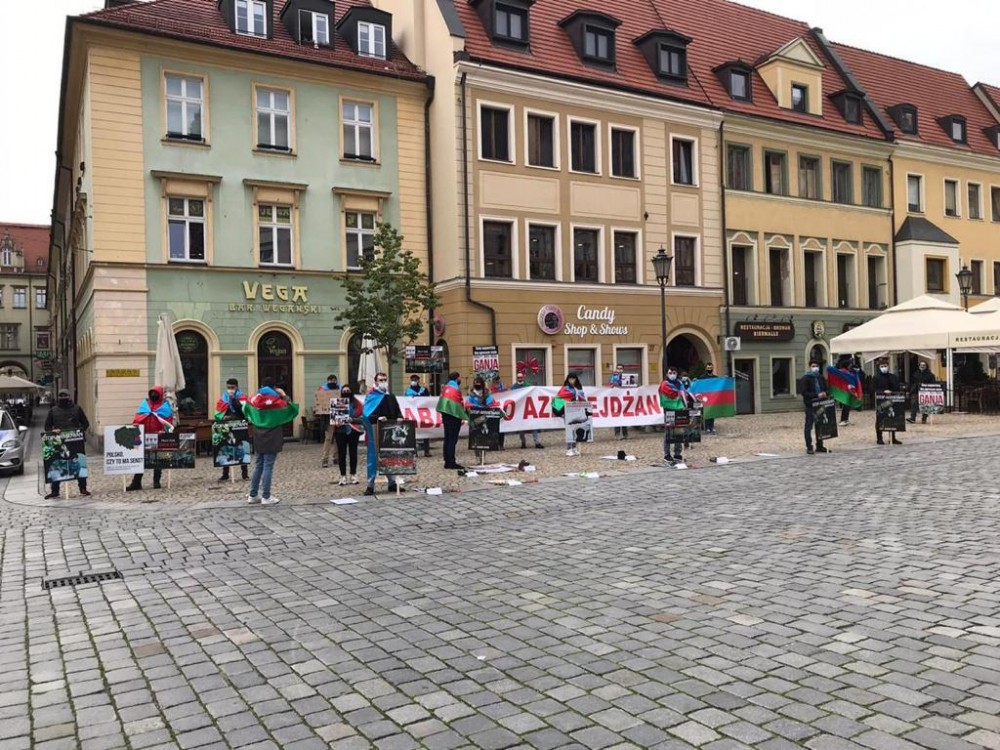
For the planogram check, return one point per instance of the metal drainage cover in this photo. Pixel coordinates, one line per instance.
(84, 576)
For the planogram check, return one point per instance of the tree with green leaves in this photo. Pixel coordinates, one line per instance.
(387, 300)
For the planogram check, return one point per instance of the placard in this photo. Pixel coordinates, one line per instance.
(824, 418)
(425, 359)
(123, 449)
(321, 400)
(579, 422)
(169, 450)
(890, 412)
(930, 398)
(63, 455)
(629, 380)
(486, 363)
(231, 442)
(397, 447)
(340, 411)
(484, 428)
(683, 425)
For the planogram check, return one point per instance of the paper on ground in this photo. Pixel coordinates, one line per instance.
(433, 490)
(344, 501)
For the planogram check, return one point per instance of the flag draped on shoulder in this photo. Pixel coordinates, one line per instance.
(267, 408)
(845, 386)
(672, 396)
(566, 393)
(452, 403)
(717, 396)
(222, 405)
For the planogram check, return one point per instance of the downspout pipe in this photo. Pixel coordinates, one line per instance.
(725, 246)
(892, 228)
(466, 209)
(429, 200)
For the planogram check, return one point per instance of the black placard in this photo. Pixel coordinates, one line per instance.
(63, 455)
(169, 450)
(424, 358)
(231, 443)
(890, 412)
(825, 418)
(683, 424)
(397, 447)
(484, 428)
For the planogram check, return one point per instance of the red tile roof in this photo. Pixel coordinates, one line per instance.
(33, 241)
(722, 32)
(201, 21)
(992, 93)
(935, 93)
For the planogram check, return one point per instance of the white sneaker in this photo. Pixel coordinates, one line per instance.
(343, 481)
(271, 500)
(844, 424)
(570, 452)
(253, 500)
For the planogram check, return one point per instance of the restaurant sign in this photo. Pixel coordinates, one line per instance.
(275, 298)
(758, 331)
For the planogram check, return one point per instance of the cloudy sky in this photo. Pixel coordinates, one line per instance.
(960, 35)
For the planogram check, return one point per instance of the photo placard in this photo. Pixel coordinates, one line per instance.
(890, 412)
(231, 443)
(63, 455)
(825, 418)
(396, 441)
(124, 449)
(484, 428)
(170, 450)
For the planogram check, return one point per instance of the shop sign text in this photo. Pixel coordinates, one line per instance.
(595, 321)
(274, 298)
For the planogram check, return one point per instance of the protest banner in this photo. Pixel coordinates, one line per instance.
(824, 418)
(484, 428)
(63, 455)
(890, 412)
(231, 442)
(123, 449)
(396, 441)
(169, 450)
(930, 398)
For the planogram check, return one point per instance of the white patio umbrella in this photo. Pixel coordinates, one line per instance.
(167, 370)
(372, 362)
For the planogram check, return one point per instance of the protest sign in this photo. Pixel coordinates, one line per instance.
(231, 442)
(890, 412)
(484, 428)
(63, 455)
(170, 450)
(123, 449)
(397, 447)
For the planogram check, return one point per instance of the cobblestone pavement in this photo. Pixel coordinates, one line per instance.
(828, 602)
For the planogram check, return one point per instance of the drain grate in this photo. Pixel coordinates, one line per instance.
(83, 576)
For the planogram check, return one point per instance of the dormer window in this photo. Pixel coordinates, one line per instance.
(666, 53)
(954, 126)
(905, 116)
(510, 23)
(593, 35)
(993, 134)
(371, 39)
(314, 28)
(800, 97)
(849, 104)
(251, 17)
(739, 85)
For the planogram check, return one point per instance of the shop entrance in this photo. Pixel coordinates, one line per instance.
(683, 353)
(746, 381)
(274, 360)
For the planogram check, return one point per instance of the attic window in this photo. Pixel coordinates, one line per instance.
(905, 116)
(852, 109)
(993, 134)
(314, 28)
(666, 53)
(673, 61)
(739, 85)
(598, 44)
(592, 35)
(371, 39)
(510, 23)
(251, 17)
(955, 127)
(800, 97)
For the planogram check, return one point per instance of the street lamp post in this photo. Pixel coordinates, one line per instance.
(965, 284)
(661, 267)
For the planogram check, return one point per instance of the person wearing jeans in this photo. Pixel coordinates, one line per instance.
(451, 407)
(347, 435)
(268, 411)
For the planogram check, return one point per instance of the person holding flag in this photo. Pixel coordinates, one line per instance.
(230, 407)
(717, 396)
(156, 415)
(451, 407)
(673, 397)
(379, 406)
(268, 410)
(845, 388)
(571, 391)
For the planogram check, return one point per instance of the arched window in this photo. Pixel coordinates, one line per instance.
(353, 362)
(193, 400)
(274, 360)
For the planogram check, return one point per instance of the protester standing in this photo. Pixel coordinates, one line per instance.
(884, 383)
(844, 365)
(812, 386)
(674, 397)
(615, 381)
(379, 406)
(417, 390)
(268, 410)
(333, 387)
(229, 408)
(709, 423)
(155, 415)
(347, 435)
(536, 435)
(571, 390)
(451, 407)
(66, 415)
(921, 376)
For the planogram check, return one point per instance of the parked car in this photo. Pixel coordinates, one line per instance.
(11, 444)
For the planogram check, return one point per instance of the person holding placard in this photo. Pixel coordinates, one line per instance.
(536, 435)
(418, 390)
(451, 407)
(921, 376)
(885, 383)
(571, 391)
(674, 397)
(156, 415)
(812, 386)
(66, 415)
(380, 406)
(347, 428)
(615, 381)
(229, 407)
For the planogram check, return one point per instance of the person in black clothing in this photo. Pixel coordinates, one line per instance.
(379, 406)
(66, 415)
(813, 386)
(230, 406)
(884, 382)
(921, 376)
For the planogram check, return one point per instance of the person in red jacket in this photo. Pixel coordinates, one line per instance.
(155, 415)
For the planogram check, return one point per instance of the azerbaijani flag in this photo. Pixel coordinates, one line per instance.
(672, 396)
(845, 386)
(452, 403)
(717, 396)
(267, 409)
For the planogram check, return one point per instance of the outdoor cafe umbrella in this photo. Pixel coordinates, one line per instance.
(167, 370)
(370, 364)
(10, 383)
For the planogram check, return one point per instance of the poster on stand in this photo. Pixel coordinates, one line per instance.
(397, 447)
(424, 359)
(123, 449)
(486, 363)
(890, 412)
(683, 424)
(930, 398)
(825, 418)
(579, 421)
(63, 455)
(231, 442)
(484, 428)
(170, 450)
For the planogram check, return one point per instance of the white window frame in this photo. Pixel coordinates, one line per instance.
(854, 289)
(698, 260)
(548, 360)
(821, 285)
(273, 113)
(515, 245)
(922, 189)
(884, 258)
(554, 116)
(250, 6)
(187, 220)
(275, 228)
(792, 376)
(314, 18)
(371, 49)
(22, 292)
(360, 232)
(511, 139)
(185, 101)
(695, 161)
(7, 257)
(963, 129)
(979, 185)
(789, 284)
(359, 126)
(558, 250)
(598, 359)
(753, 283)
(636, 151)
(41, 292)
(601, 250)
(643, 359)
(958, 197)
(598, 141)
(639, 254)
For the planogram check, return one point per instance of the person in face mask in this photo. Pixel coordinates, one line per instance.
(379, 406)
(156, 415)
(230, 407)
(709, 374)
(812, 386)
(347, 434)
(674, 396)
(885, 382)
(451, 407)
(921, 376)
(416, 390)
(479, 395)
(66, 415)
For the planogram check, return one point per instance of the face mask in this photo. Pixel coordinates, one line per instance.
(815, 369)
(382, 386)
(922, 368)
(414, 383)
(231, 391)
(64, 401)
(883, 370)
(671, 376)
(345, 394)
